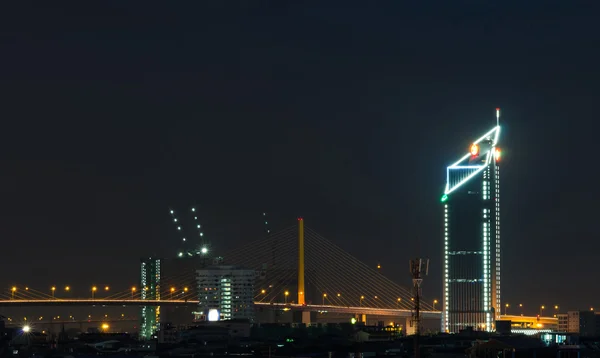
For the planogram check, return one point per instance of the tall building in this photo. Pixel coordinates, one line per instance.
(150, 290)
(471, 267)
(225, 293)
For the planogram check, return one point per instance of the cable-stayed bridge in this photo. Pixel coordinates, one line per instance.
(297, 269)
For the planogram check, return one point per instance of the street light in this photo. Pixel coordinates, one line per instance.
(67, 288)
(285, 294)
(434, 303)
(12, 292)
(106, 288)
(94, 289)
(556, 308)
(263, 292)
(53, 288)
(324, 297)
(360, 301)
(542, 308)
(506, 309)
(133, 289)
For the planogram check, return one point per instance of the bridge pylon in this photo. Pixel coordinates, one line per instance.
(301, 286)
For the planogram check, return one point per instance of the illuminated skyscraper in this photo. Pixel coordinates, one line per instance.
(472, 237)
(150, 290)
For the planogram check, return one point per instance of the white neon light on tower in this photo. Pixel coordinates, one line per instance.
(457, 175)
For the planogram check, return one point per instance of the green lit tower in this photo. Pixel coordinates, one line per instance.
(150, 290)
(471, 267)
(188, 258)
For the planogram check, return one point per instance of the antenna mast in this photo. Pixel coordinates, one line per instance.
(418, 269)
(497, 116)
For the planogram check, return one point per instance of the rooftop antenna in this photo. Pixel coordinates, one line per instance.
(418, 269)
(497, 116)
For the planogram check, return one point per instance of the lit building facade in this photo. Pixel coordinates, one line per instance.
(471, 268)
(150, 290)
(228, 290)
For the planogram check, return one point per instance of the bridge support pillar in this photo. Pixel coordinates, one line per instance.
(301, 288)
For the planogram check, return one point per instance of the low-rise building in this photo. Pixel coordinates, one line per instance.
(563, 322)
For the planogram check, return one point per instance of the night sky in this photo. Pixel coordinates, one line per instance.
(345, 113)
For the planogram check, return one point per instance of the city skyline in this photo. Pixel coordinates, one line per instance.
(345, 115)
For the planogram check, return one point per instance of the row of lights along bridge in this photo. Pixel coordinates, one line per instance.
(287, 293)
(173, 291)
(542, 308)
(93, 291)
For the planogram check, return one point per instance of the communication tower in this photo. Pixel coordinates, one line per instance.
(418, 269)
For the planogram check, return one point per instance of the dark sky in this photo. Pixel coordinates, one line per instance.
(343, 112)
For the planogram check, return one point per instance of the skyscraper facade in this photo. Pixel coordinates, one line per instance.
(471, 267)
